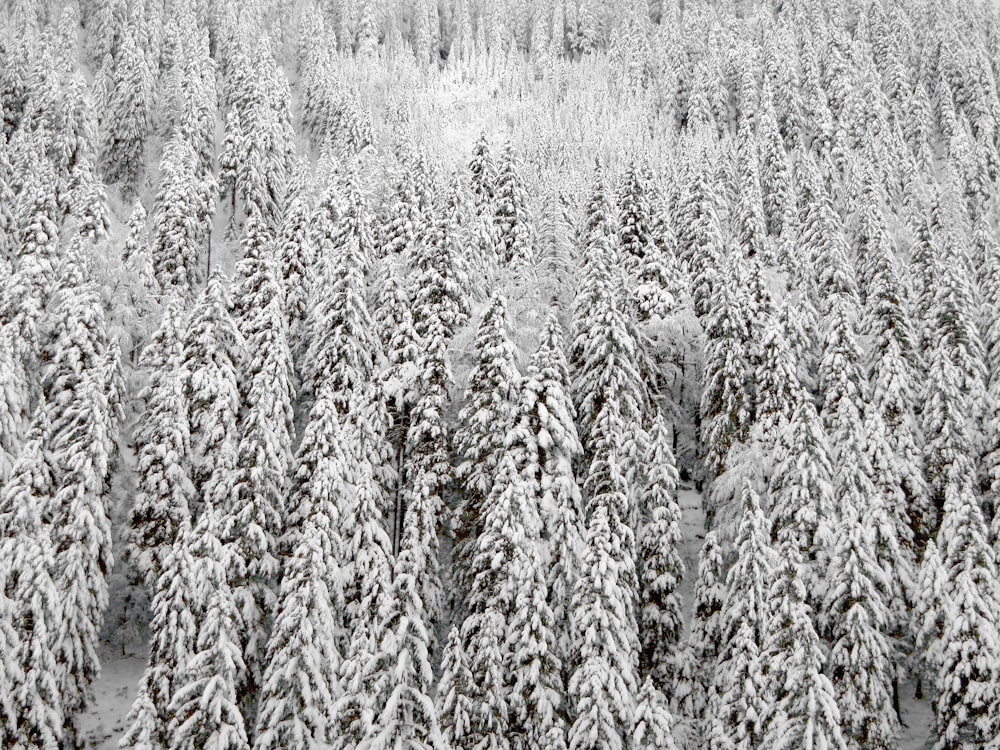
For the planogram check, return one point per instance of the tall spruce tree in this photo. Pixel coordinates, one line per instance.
(165, 489)
(660, 563)
(740, 700)
(204, 709)
(264, 455)
(604, 685)
(490, 412)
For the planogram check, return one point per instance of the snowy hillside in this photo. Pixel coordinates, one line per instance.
(499, 375)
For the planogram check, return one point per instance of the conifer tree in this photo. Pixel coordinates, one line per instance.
(612, 399)
(489, 414)
(944, 422)
(700, 236)
(295, 261)
(855, 619)
(802, 494)
(892, 374)
(886, 516)
(264, 454)
(694, 686)
(604, 685)
(300, 682)
(427, 470)
(660, 278)
(726, 405)
(634, 220)
(27, 560)
(173, 632)
(805, 711)
(14, 392)
(441, 279)
(214, 350)
(968, 696)
(512, 216)
(484, 633)
(483, 173)
(406, 224)
(135, 251)
(369, 579)
(11, 675)
(778, 385)
(204, 709)
(662, 569)
(537, 689)
(597, 239)
(547, 433)
(751, 227)
(740, 701)
(454, 704)
(82, 536)
(930, 607)
(342, 343)
(401, 661)
(181, 211)
(165, 490)
(653, 727)
(127, 123)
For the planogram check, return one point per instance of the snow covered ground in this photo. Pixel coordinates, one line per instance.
(104, 723)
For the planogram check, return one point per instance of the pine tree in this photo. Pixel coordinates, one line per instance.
(204, 709)
(892, 374)
(489, 414)
(740, 700)
(778, 386)
(751, 226)
(441, 279)
(406, 716)
(634, 220)
(295, 266)
(127, 123)
(214, 350)
(662, 568)
(264, 454)
(805, 711)
(182, 210)
(82, 536)
(968, 697)
(512, 215)
(369, 578)
(653, 727)
(886, 516)
(173, 631)
(855, 619)
(700, 243)
(726, 404)
(27, 561)
(483, 172)
(165, 490)
(612, 399)
(546, 430)
(342, 343)
(660, 278)
(944, 422)
(537, 689)
(11, 675)
(596, 237)
(427, 470)
(454, 704)
(483, 631)
(300, 681)
(604, 685)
